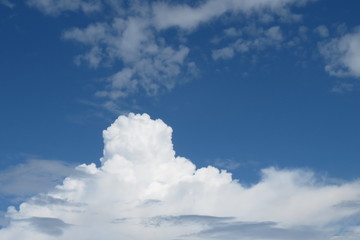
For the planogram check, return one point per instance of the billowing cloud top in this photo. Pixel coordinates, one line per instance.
(142, 190)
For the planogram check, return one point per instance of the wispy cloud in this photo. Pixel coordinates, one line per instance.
(149, 63)
(32, 177)
(249, 38)
(55, 8)
(7, 3)
(228, 164)
(188, 17)
(143, 191)
(322, 31)
(135, 36)
(343, 87)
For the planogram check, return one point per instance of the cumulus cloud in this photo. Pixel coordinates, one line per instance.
(342, 54)
(149, 63)
(142, 190)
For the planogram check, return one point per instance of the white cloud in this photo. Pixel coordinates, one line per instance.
(143, 191)
(132, 37)
(223, 53)
(150, 64)
(342, 55)
(56, 7)
(122, 84)
(322, 31)
(187, 17)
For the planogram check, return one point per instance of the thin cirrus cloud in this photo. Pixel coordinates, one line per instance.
(142, 190)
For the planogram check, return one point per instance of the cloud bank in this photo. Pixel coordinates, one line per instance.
(142, 190)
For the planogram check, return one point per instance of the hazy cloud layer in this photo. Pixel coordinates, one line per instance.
(32, 177)
(142, 190)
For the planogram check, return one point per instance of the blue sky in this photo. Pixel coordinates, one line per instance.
(245, 85)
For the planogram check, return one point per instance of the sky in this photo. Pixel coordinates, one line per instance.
(206, 119)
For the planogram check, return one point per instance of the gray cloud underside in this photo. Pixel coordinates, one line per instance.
(33, 176)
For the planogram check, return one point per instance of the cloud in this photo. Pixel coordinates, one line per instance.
(56, 7)
(50, 226)
(146, 41)
(249, 38)
(228, 164)
(7, 3)
(32, 177)
(149, 64)
(261, 230)
(223, 53)
(142, 190)
(342, 55)
(322, 31)
(343, 87)
(188, 17)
